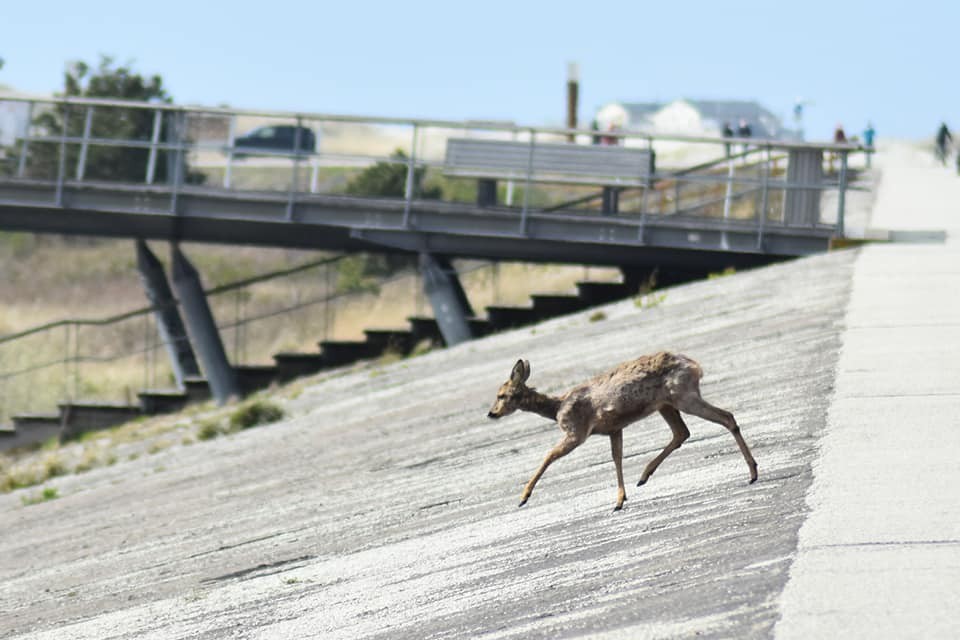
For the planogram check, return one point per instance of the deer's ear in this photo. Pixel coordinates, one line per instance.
(521, 371)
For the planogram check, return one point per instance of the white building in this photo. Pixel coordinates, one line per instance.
(14, 116)
(691, 117)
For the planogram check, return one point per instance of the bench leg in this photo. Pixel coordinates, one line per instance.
(611, 201)
(486, 193)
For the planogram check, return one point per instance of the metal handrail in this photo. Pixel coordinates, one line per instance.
(436, 123)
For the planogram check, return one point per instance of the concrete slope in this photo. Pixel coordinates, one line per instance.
(386, 506)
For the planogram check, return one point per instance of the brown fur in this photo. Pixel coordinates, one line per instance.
(608, 403)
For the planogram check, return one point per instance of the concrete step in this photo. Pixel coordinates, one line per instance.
(337, 353)
(294, 365)
(597, 293)
(153, 402)
(501, 318)
(198, 390)
(424, 328)
(30, 430)
(252, 378)
(80, 417)
(383, 340)
(549, 306)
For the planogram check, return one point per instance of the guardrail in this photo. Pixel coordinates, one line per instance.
(72, 141)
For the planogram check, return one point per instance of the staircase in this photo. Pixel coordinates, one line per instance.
(75, 418)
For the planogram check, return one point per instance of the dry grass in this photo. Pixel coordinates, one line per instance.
(52, 279)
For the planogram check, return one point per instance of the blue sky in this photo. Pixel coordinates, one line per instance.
(893, 63)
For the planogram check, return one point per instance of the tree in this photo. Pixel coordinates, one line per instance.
(389, 179)
(108, 80)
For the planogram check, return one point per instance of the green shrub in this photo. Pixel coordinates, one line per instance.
(255, 413)
(48, 493)
(209, 429)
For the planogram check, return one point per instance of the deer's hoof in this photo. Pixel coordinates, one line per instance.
(619, 507)
(641, 483)
(522, 502)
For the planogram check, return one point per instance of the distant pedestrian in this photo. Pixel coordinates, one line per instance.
(868, 135)
(727, 133)
(611, 140)
(944, 139)
(839, 136)
(595, 126)
(744, 131)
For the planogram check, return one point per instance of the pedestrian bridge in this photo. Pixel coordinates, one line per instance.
(172, 172)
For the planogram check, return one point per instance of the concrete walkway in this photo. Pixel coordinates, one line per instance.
(879, 555)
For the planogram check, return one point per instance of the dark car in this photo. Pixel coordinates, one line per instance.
(276, 138)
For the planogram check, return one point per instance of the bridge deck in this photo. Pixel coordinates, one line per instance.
(355, 223)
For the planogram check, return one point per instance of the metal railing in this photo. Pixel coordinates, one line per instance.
(74, 141)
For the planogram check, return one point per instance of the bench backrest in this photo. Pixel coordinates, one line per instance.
(591, 164)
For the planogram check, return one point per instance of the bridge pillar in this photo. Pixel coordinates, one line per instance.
(486, 193)
(447, 297)
(611, 200)
(203, 330)
(169, 323)
(801, 206)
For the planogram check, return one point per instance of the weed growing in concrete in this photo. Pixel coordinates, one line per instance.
(209, 429)
(255, 413)
(597, 316)
(649, 301)
(729, 271)
(48, 493)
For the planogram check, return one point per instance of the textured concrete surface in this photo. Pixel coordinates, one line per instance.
(386, 507)
(879, 557)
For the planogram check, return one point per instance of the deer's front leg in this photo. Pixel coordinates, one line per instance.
(565, 446)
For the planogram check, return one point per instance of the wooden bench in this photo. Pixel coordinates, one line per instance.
(610, 167)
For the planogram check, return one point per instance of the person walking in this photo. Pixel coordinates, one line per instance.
(868, 135)
(944, 139)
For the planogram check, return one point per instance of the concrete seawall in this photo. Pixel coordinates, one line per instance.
(385, 507)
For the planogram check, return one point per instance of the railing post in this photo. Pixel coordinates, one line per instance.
(529, 181)
(231, 136)
(62, 157)
(411, 175)
(177, 177)
(22, 167)
(764, 200)
(82, 160)
(294, 182)
(842, 196)
(154, 140)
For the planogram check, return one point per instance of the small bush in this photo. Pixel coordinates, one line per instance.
(209, 430)
(48, 493)
(649, 301)
(729, 271)
(254, 414)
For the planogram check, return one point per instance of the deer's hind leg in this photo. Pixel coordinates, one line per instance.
(680, 434)
(565, 446)
(697, 406)
(616, 448)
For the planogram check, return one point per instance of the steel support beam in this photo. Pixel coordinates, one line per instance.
(173, 333)
(203, 330)
(447, 297)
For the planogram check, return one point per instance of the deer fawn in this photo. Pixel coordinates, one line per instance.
(608, 403)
